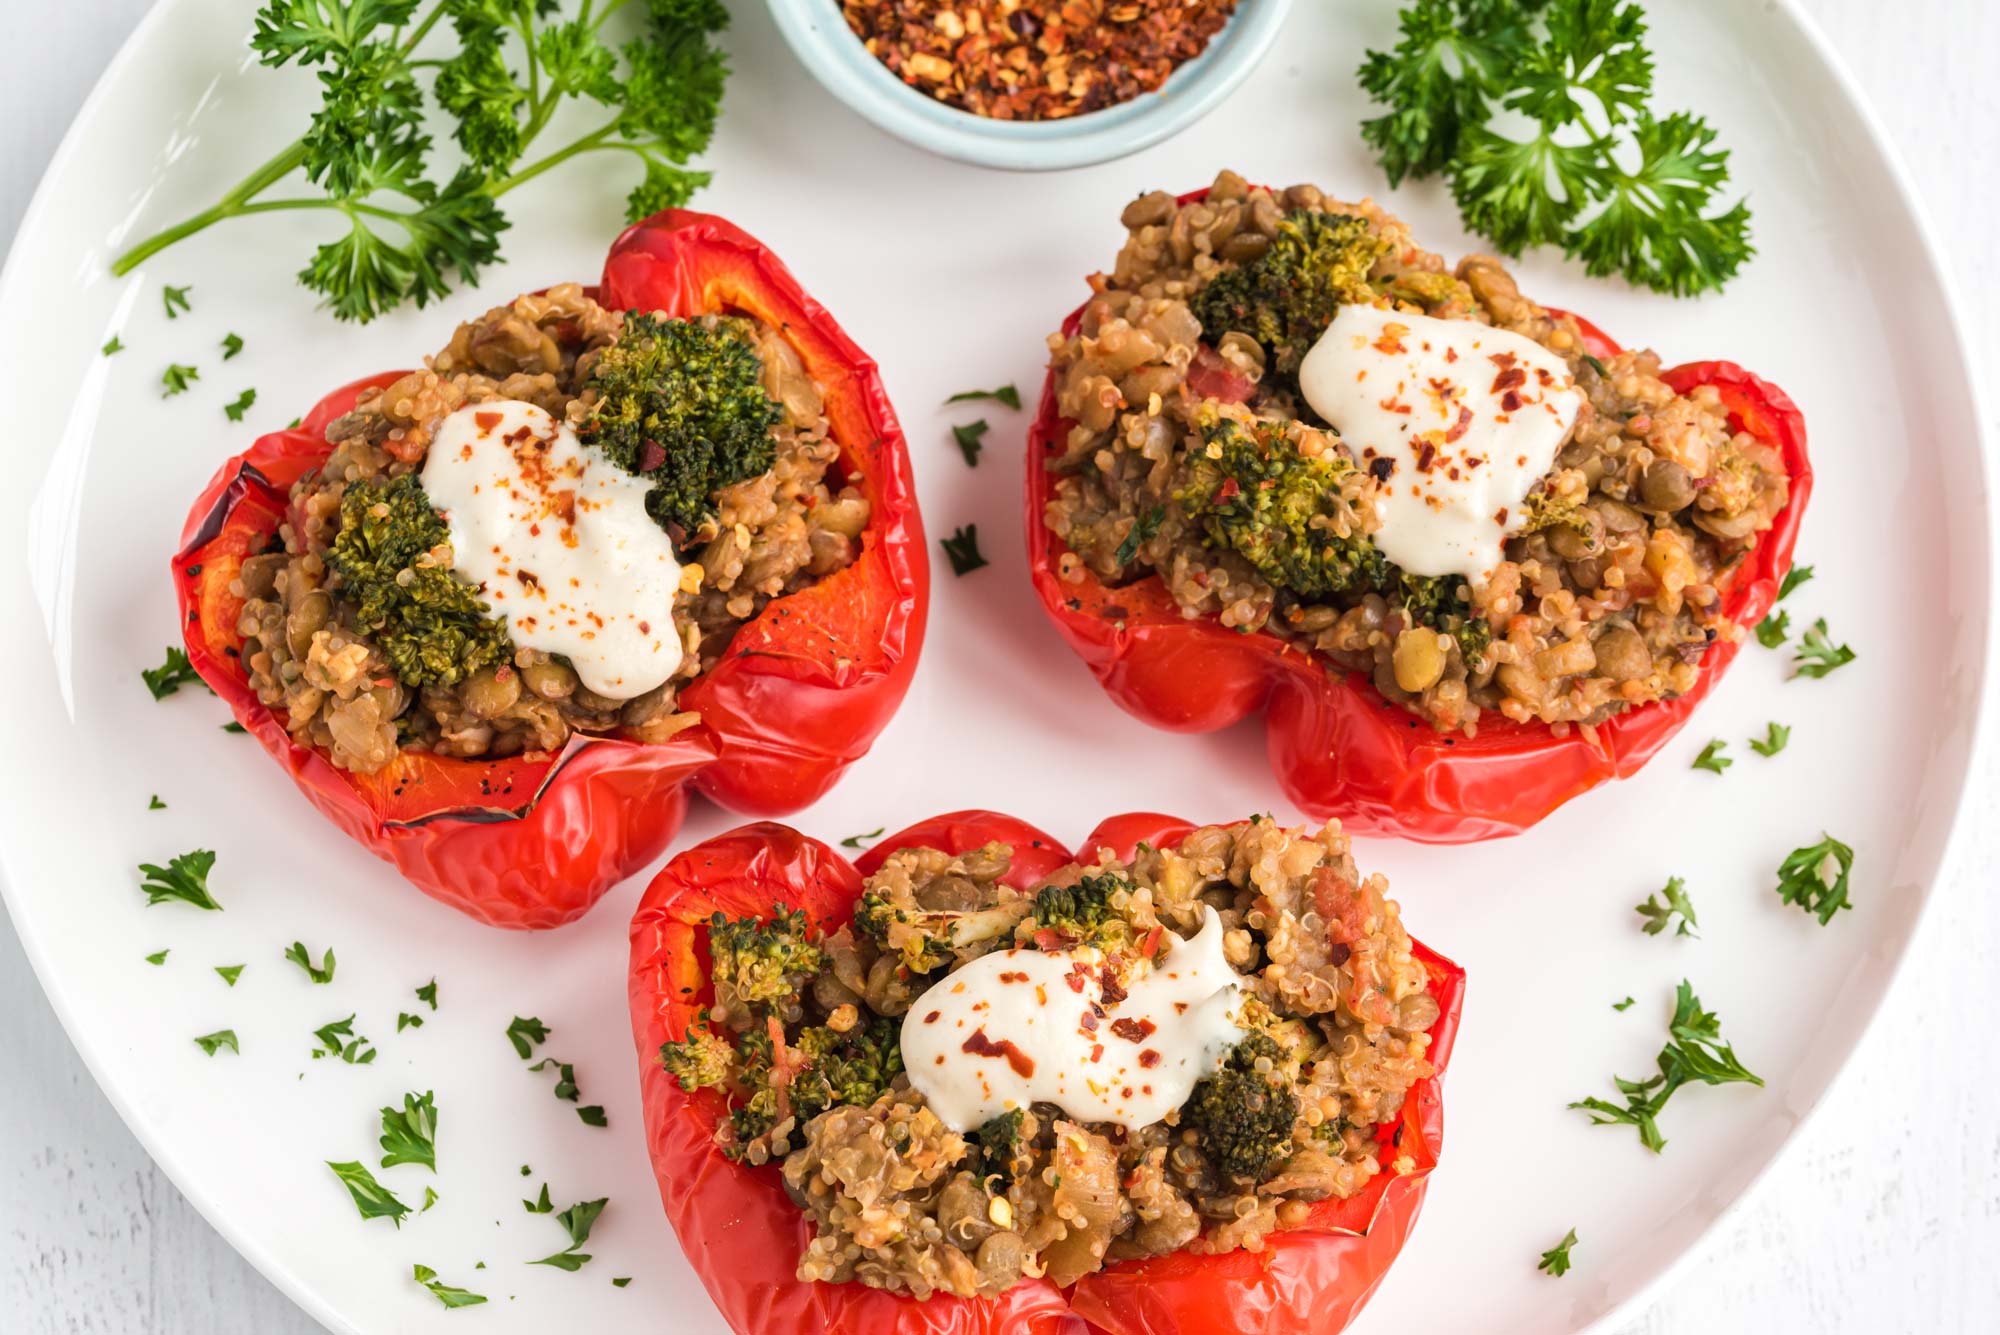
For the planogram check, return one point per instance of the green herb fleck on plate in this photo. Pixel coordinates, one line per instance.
(1776, 736)
(320, 973)
(1712, 759)
(526, 1035)
(962, 550)
(857, 840)
(229, 973)
(184, 878)
(1818, 654)
(1815, 878)
(1658, 915)
(1555, 1261)
(1006, 394)
(177, 379)
(967, 437)
(242, 405)
(172, 674)
(175, 299)
(215, 1042)
(1694, 1054)
(409, 1135)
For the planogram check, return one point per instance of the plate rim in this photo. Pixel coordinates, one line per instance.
(1986, 536)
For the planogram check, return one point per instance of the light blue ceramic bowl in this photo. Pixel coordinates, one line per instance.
(828, 48)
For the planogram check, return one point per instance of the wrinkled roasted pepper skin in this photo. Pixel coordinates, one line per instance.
(743, 1235)
(1337, 746)
(801, 692)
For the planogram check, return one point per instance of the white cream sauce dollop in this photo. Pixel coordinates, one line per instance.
(1039, 1026)
(557, 540)
(1467, 417)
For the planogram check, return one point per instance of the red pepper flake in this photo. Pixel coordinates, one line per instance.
(1088, 1022)
(1133, 1031)
(1460, 427)
(979, 1045)
(1035, 60)
(1149, 1058)
(1114, 991)
(485, 421)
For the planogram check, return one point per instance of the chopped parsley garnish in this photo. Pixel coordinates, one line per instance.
(541, 1206)
(621, 1281)
(1818, 654)
(1555, 1261)
(1794, 577)
(339, 1040)
(231, 345)
(967, 437)
(1659, 915)
(371, 1198)
(526, 1035)
(1142, 530)
(170, 675)
(1773, 629)
(1580, 82)
(299, 955)
(857, 840)
(1815, 878)
(428, 994)
(1624, 1005)
(592, 1114)
(1006, 394)
(229, 973)
(405, 1020)
(430, 1199)
(577, 1222)
(241, 406)
(156, 804)
(565, 1077)
(445, 1293)
(411, 225)
(114, 346)
(175, 299)
(962, 550)
(1694, 1054)
(1712, 759)
(159, 956)
(409, 1134)
(177, 378)
(1776, 735)
(235, 727)
(184, 878)
(221, 1038)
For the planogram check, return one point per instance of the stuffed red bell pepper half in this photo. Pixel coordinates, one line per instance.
(1471, 557)
(497, 617)
(1184, 1081)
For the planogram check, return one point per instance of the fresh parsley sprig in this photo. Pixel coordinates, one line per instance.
(1818, 654)
(1694, 1054)
(184, 878)
(1555, 1261)
(1659, 913)
(170, 675)
(414, 227)
(1597, 173)
(577, 1221)
(409, 1133)
(1815, 878)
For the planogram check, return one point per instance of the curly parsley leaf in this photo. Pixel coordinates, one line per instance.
(409, 1134)
(1659, 913)
(1694, 1054)
(184, 878)
(1818, 654)
(1007, 394)
(1815, 878)
(215, 1042)
(526, 1035)
(1712, 759)
(371, 1198)
(1594, 171)
(299, 955)
(1776, 737)
(170, 675)
(1555, 1261)
(447, 1294)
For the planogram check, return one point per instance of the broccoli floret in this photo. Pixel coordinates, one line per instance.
(702, 1060)
(1077, 909)
(1286, 297)
(682, 402)
(426, 621)
(762, 962)
(853, 1068)
(929, 939)
(1243, 1116)
(1329, 1133)
(997, 1142)
(1250, 491)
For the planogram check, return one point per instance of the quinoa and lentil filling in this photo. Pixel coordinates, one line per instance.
(360, 638)
(805, 1037)
(1191, 454)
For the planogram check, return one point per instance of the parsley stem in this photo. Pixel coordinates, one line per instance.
(595, 139)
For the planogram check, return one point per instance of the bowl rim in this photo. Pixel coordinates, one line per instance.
(828, 49)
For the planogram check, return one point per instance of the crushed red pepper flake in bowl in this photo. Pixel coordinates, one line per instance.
(1035, 60)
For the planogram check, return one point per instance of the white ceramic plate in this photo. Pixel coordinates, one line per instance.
(951, 275)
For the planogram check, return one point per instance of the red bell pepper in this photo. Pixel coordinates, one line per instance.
(532, 841)
(1339, 748)
(743, 1235)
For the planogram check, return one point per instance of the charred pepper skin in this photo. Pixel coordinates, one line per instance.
(531, 842)
(1337, 747)
(743, 1235)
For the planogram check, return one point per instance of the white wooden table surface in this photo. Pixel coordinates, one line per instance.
(1885, 1219)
